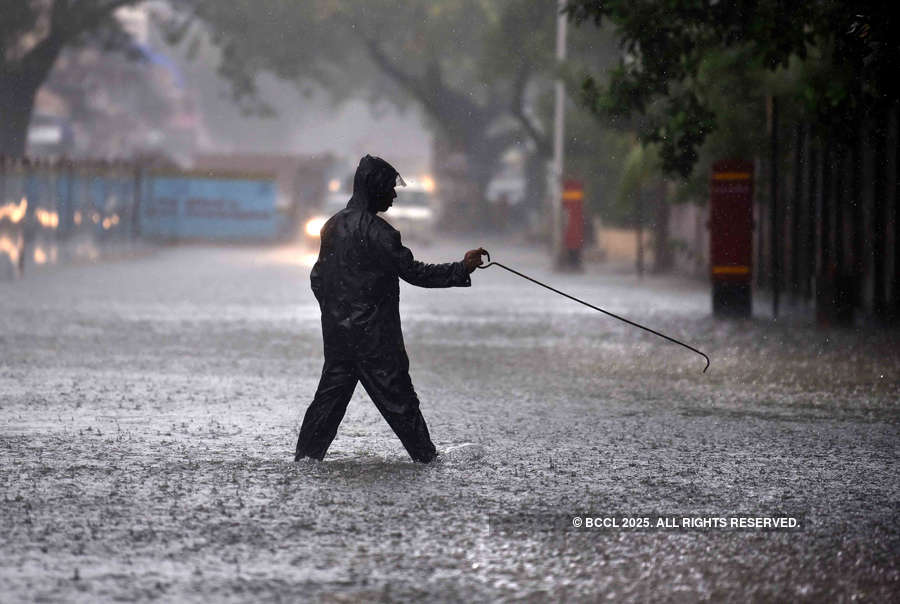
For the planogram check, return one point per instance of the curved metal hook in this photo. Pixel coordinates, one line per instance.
(489, 263)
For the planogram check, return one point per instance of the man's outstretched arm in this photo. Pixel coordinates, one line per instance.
(398, 258)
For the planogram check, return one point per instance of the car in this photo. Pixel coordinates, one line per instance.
(413, 213)
(334, 203)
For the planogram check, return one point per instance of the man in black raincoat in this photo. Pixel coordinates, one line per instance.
(356, 281)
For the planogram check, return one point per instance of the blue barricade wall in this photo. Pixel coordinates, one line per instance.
(190, 207)
(53, 212)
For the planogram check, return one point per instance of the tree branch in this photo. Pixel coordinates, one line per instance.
(455, 112)
(517, 108)
(38, 61)
(69, 20)
(392, 70)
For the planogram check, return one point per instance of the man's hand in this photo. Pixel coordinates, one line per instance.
(472, 259)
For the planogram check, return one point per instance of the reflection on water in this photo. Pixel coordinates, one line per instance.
(292, 255)
(47, 219)
(110, 221)
(9, 248)
(14, 212)
(12, 217)
(59, 211)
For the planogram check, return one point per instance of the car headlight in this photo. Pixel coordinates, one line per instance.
(314, 226)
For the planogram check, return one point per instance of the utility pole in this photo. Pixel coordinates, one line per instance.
(774, 234)
(558, 128)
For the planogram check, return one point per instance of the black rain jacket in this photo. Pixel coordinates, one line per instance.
(356, 278)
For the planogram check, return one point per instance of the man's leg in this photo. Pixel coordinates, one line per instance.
(325, 413)
(387, 382)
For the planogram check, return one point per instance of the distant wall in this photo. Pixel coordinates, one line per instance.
(619, 246)
(63, 211)
(55, 212)
(689, 238)
(191, 207)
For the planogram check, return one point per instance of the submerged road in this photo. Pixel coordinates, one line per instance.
(149, 410)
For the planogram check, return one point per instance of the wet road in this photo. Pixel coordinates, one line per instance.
(149, 410)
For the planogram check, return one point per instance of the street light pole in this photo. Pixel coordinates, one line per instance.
(558, 128)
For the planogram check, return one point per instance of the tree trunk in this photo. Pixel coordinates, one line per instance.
(662, 258)
(840, 162)
(846, 283)
(774, 231)
(19, 83)
(482, 168)
(811, 216)
(463, 175)
(535, 184)
(825, 240)
(796, 211)
(16, 105)
(879, 191)
(895, 286)
(639, 228)
(894, 224)
(825, 277)
(858, 265)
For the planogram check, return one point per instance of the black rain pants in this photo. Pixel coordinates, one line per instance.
(387, 383)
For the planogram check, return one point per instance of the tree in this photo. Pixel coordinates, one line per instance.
(643, 191)
(470, 64)
(33, 33)
(666, 44)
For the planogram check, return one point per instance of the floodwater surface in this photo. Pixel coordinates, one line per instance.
(149, 410)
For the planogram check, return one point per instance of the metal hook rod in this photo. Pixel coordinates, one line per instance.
(597, 308)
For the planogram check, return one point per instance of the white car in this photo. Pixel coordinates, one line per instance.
(413, 213)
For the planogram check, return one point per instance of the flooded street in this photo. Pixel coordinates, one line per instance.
(149, 410)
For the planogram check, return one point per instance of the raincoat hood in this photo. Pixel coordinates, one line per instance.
(373, 180)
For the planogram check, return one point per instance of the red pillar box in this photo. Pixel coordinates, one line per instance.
(573, 234)
(731, 237)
